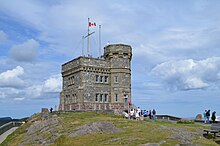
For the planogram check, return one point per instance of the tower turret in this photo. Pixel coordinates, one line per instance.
(119, 56)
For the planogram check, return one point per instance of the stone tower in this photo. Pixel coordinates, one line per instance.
(119, 57)
(104, 84)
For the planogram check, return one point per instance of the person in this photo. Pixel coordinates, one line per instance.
(137, 115)
(150, 114)
(139, 111)
(213, 116)
(154, 114)
(132, 114)
(205, 118)
(144, 113)
(129, 115)
(126, 115)
(147, 114)
(208, 116)
(129, 103)
(51, 110)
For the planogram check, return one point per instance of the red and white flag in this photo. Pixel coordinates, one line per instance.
(92, 24)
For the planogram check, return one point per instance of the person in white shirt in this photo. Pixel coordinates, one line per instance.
(137, 115)
(132, 114)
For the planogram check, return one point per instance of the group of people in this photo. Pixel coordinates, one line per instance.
(141, 114)
(207, 115)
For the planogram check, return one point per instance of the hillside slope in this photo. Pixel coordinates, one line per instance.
(104, 129)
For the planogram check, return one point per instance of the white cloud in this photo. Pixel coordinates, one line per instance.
(11, 78)
(34, 91)
(3, 36)
(26, 51)
(187, 38)
(190, 74)
(53, 84)
(19, 98)
(178, 43)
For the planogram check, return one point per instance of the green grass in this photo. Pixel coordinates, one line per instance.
(134, 132)
(16, 137)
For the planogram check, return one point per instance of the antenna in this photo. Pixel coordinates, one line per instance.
(99, 40)
(88, 45)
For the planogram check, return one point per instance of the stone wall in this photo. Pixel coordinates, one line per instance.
(95, 62)
(115, 107)
(71, 64)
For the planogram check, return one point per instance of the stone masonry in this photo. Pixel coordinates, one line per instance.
(91, 84)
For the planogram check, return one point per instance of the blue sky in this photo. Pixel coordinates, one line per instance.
(176, 51)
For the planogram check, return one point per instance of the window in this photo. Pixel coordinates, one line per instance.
(106, 97)
(67, 99)
(116, 79)
(101, 97)
(106, 79)
(101, 79)
(74, 98)
(71, 80)
(125, 55)
(96, 97)
(97, 78)
(116, 97)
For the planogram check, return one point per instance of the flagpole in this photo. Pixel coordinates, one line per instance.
(82, 45)
(100, 41)
(88, 45)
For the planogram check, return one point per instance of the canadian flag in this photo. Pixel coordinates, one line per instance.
(92, 24)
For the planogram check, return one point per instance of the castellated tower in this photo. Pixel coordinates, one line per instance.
(98, 84)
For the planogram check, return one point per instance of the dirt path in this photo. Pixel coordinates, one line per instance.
(4, 135)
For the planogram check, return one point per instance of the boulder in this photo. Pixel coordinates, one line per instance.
(45, 113)
(199, 117)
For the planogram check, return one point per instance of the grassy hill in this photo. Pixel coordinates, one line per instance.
(88, 128)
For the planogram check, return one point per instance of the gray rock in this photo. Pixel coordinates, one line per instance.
(42, 125)
(199, 117)
(183, 135)
(45, 113)
(96, 127)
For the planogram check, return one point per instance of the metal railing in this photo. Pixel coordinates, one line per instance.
(9, 125)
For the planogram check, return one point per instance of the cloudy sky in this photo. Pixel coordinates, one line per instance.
(176, 51)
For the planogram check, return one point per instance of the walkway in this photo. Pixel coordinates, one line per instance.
(4, 135)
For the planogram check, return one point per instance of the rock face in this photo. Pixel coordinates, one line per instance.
(96, 127)
(44, 126)
(42, 132)
(183, 135)
(199, 117)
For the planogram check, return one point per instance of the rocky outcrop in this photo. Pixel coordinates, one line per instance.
(43, 132)
(96, 127)
(183, 135)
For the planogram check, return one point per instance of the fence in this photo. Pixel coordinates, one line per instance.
(8, 126)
